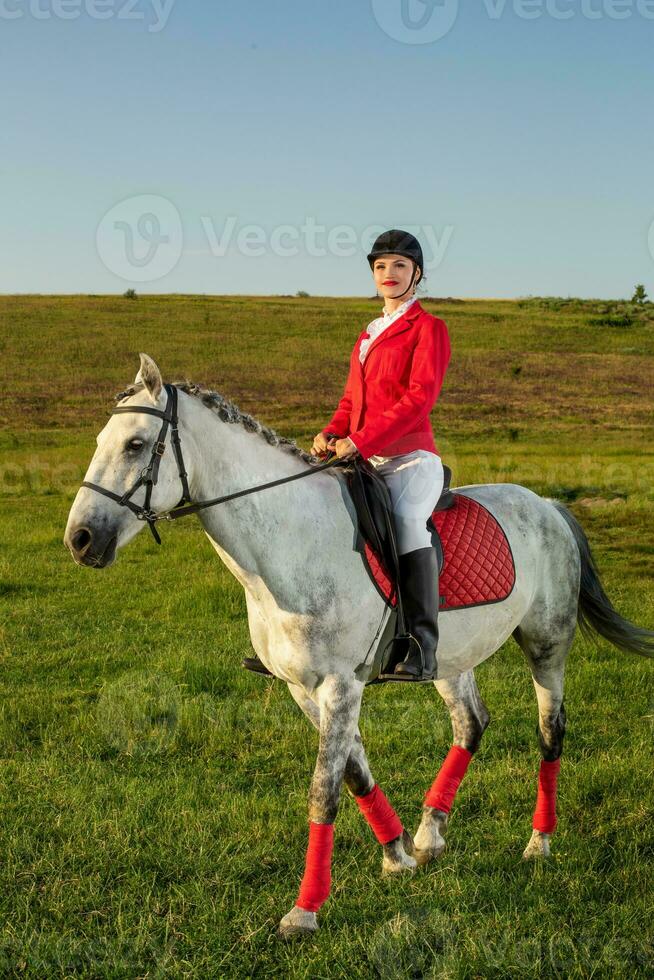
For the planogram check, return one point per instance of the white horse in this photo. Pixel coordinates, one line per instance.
(316, 620)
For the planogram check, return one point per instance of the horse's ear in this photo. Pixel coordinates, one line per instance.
(150, 375)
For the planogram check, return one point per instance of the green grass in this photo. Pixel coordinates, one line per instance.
(154, 794)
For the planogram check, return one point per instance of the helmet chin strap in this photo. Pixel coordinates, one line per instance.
(412, 283)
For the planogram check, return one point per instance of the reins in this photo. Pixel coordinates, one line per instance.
(199, 505)
(150, 473)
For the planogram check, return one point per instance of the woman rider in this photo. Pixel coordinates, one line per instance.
(396, 372)
(393, 384)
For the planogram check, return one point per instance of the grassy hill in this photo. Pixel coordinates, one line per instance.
(154, 794)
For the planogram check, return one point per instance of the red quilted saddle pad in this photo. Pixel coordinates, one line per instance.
(478, 566)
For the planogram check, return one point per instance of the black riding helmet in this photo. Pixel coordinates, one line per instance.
(397, 242)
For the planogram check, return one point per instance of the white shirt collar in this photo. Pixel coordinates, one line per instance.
(396, 314)
(381, 323)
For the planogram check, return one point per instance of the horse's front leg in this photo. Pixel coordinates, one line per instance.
(470, 718)
(396, 842)
(338, 700)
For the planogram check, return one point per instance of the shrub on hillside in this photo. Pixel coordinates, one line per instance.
(605, 313)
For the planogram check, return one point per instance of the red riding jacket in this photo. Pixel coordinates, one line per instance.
(387, 400)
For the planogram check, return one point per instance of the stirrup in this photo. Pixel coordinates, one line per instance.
(416, 678)
(390, 675)
(422, 678)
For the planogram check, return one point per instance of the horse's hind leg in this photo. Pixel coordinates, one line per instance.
(395, 840)
(546, 658)
(470, 718)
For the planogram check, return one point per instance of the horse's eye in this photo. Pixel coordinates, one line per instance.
(134, 445)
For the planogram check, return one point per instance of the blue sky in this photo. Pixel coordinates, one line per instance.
(254, 147)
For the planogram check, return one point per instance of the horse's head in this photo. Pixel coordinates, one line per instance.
(126, 455)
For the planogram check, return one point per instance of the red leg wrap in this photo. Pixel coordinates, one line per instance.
(443, 789)
(545, 812)
(385, 823)
(317, 880)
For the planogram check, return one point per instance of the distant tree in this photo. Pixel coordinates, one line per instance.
(639, 294)
(301, 294)
(130, 294)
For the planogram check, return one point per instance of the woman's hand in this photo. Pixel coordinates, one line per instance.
(320, 444)
(342, 447)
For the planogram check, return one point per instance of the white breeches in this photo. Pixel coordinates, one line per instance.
(415, 482)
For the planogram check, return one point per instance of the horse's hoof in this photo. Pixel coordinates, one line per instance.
(395, 866)
(398, 856)
(429, 842)
(538, 846)
(297, 922)
(425, 855)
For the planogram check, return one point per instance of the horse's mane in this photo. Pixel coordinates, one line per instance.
(229, 412)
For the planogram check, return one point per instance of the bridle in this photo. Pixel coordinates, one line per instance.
(150, 473)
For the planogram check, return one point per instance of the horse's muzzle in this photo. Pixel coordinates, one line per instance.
(94, 548)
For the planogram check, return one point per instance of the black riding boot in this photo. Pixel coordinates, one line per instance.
(419, 585)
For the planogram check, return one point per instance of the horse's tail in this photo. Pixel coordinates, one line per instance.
(595, 613)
